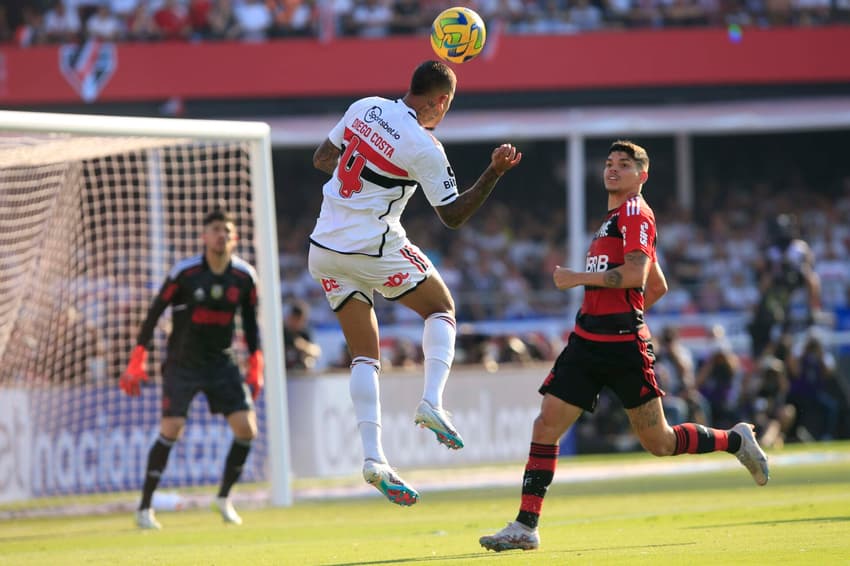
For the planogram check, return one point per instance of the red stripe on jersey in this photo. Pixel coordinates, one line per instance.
(168, 292)
(207, 316)
(376, 158)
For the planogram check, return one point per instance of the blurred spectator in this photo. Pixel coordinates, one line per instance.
(172, 20)
(199, 18)
(815, 393)
(61, 25)
(372, 18)
(124, 8)
(141, 26)
(585, 16)
(786, 267)
(719, 380)
(407, 18)
(292, 18)
(771, 413)
(674, 367)
(222, 21)
(254, 19)
(31, 30)
(300, 350)
(103, 25)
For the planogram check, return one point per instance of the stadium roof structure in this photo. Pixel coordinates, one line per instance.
(574, 125)
(747, 117)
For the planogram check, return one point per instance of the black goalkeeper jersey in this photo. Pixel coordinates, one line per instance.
(203, 308)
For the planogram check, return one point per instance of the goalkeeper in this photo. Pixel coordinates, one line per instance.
(205, 292)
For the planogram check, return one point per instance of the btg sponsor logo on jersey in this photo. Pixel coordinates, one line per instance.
(374, 115)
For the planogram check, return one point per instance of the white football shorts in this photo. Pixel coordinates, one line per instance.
(346, 276)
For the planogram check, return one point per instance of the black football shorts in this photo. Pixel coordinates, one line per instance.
(584, 367)
(222, 385)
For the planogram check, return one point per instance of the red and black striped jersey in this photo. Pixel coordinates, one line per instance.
(203, 308)
(616, 315)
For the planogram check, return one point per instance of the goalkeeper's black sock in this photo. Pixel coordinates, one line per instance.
(539, 472)
(233, 465)
(694, 438)
(157, 458)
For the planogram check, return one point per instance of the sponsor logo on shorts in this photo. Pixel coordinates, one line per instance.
(396, 280)
(329, 285)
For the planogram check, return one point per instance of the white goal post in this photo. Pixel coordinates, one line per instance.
(93, 212)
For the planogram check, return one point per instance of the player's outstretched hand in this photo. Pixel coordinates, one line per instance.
(130, 382)
(254, 377)
(504, 158)
(563, 278)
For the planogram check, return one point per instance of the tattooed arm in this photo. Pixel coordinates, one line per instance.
(503, 159)
(326, 157)
(656, 286)
(631, 275)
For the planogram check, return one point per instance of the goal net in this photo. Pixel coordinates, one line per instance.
(90, 224)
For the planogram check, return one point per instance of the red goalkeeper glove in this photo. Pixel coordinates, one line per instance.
(254, 378)
(130, 382)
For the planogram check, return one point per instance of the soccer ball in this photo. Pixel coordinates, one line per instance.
(458, 34)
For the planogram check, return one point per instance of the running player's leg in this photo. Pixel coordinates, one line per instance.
(555, 419)
(661, 439)
(636, 386)
(568, 390)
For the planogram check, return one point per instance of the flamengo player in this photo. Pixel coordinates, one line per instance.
(204, 292)
(377, 155)
(610, 346)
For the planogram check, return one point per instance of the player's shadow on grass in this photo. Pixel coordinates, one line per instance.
(488, 556)
(839, 519)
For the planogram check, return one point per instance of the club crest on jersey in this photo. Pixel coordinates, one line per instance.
(199, 294)
(216, 291)
(88, 67)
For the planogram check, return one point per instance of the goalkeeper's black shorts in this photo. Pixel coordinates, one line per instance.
(223, 386)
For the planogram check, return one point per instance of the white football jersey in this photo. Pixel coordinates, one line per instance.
(385, 155)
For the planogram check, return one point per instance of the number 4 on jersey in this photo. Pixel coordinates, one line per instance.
(350, 167)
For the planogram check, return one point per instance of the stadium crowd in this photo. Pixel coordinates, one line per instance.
(60, 21)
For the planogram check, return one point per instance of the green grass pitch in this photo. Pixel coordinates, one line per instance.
(801, 517)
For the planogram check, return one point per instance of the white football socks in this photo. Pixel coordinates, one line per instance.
(438, 347)
(365, 394)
